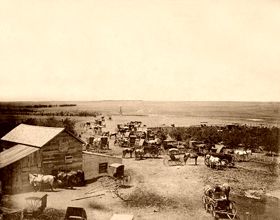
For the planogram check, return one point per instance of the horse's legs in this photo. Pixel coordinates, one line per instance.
(195, 160)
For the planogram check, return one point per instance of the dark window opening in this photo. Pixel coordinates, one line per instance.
(103, 167)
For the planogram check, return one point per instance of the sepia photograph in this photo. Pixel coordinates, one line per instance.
(139, 110)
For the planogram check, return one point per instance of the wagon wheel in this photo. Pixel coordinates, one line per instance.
(125, 180)
(232, 211)
(204, 202)
(181, 161)
(226, 162)
(206, 162)
(211, 209)
(213, 212)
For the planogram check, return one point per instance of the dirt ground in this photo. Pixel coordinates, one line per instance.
(178, 188)
(160, 192)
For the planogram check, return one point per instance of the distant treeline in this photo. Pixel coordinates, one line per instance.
(11, 122)
(35, 106)
(24, 110)
(231, 136)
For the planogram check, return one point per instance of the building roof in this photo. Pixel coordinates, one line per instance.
(32, 135)
(116, 165)
(218, 147)
(15, 153)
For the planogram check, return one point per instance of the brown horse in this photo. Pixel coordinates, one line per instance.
(190, 155)
(128, 151)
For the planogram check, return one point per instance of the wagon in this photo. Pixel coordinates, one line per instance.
(117, 181)
(152, 149)
(11, 214)
(147, 149)
(174, 158)
(122, 142)
(227, 159)
(116, 177)
(75, 213)
(132, 140)
(219, 206)
(104, 142)
(35, 207)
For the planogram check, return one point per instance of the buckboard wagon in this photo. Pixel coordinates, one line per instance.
(35, 207)
(174, 158)
(116, 176)
(219, 206)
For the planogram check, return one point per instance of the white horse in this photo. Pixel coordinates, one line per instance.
(37, 180)
(215, 162)
(242, 155)
(139, 153)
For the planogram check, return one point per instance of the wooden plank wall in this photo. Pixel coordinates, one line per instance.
(54, 153)
(91, 163)
(15, 176)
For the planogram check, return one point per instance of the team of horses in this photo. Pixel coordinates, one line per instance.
(59, 179)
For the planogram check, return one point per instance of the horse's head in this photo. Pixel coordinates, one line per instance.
(57, 181)
(207, 156)
(31, 178)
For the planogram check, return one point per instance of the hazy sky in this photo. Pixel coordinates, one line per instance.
(140, 49)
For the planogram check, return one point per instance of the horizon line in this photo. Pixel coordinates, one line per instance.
(132, 100)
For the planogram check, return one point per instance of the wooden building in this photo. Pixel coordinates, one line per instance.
(96, 165)
(37, 149)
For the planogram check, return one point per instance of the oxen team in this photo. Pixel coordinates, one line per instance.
(59, 179)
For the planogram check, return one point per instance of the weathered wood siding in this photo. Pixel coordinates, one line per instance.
(55, 154)
(91, 162)
(15, 176)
